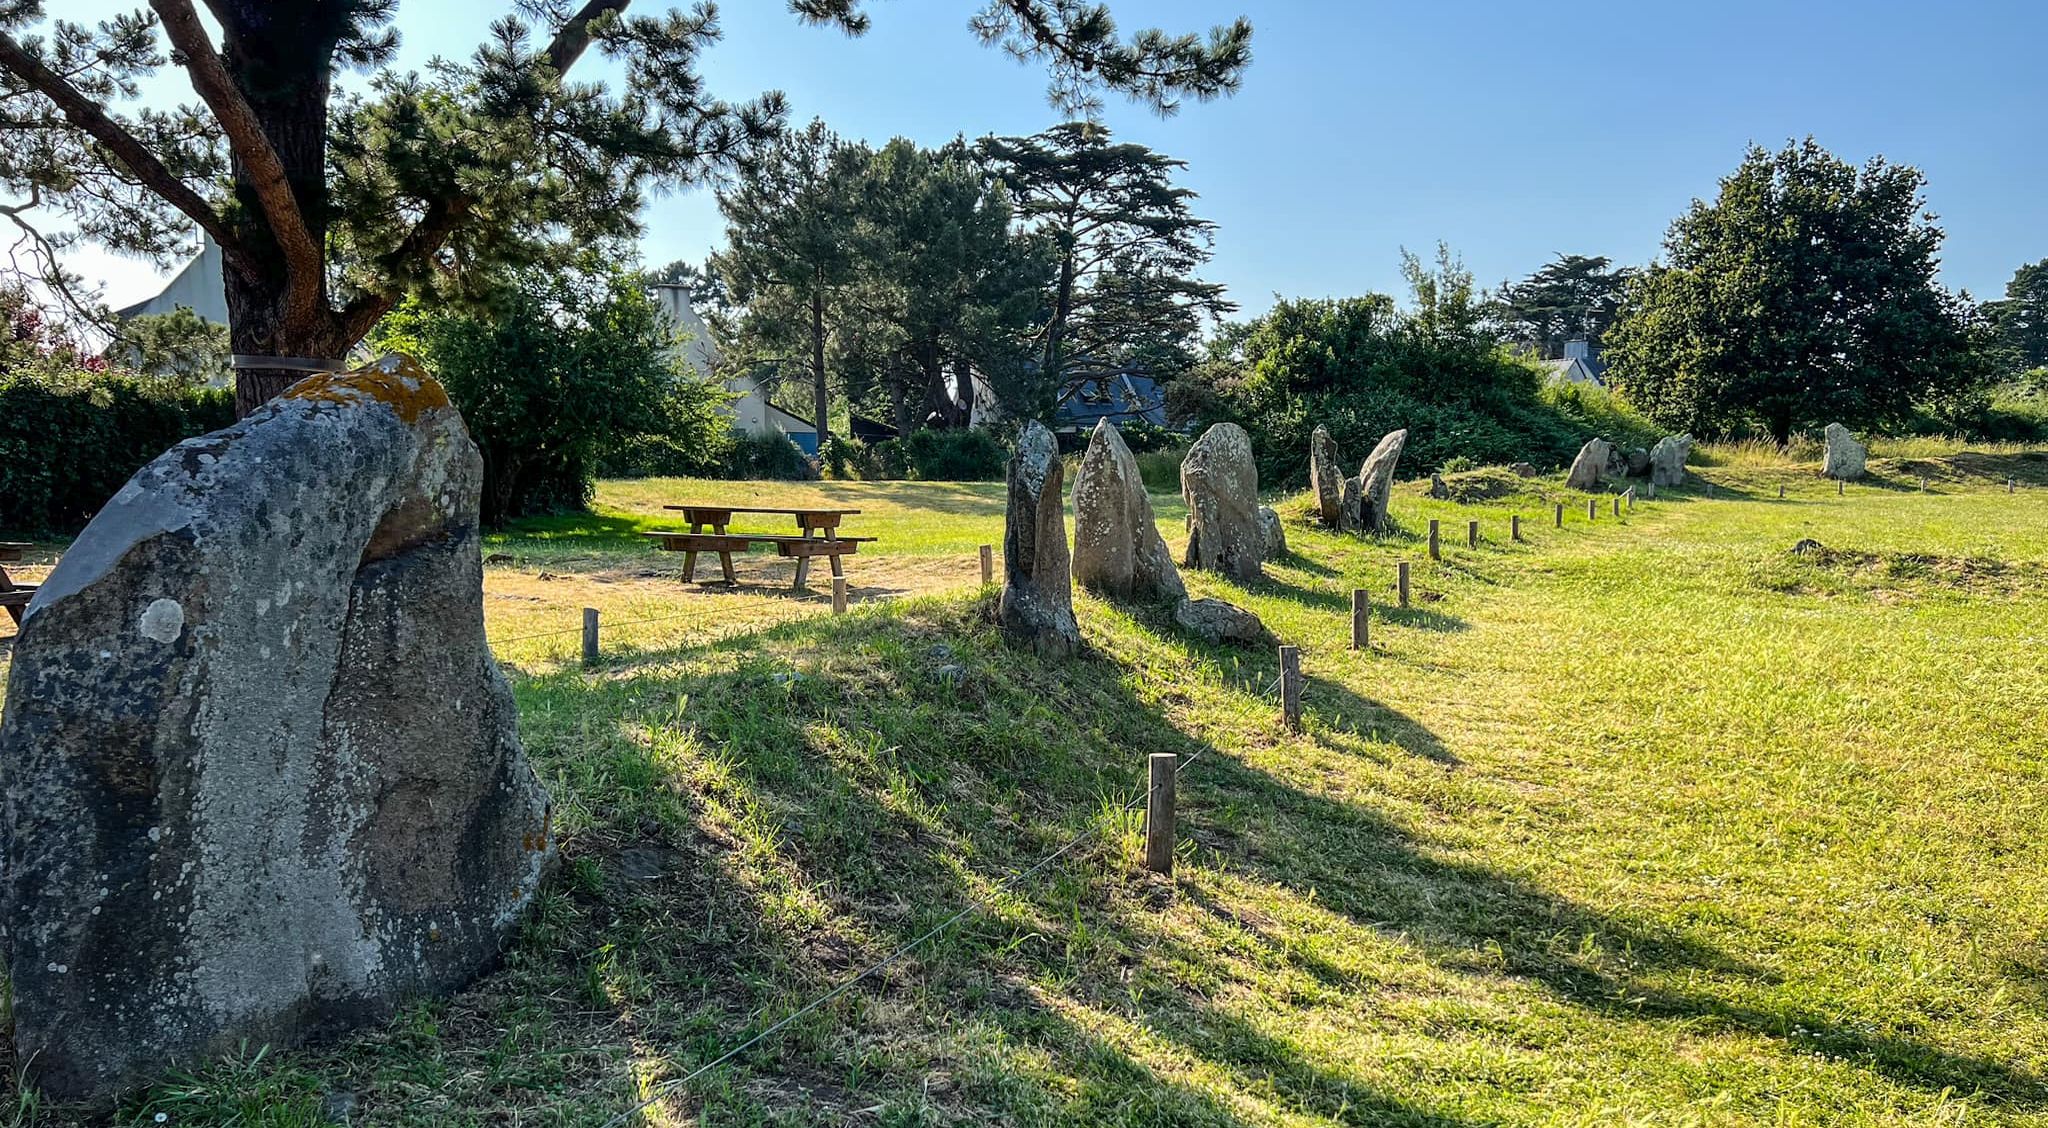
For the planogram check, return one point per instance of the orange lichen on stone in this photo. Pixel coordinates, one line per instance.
(397, 380)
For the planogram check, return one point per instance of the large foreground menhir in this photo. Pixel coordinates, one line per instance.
(262, 776)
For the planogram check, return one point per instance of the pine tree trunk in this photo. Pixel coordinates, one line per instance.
(282, 65)
(821, 404)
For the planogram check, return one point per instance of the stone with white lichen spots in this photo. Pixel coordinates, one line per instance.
(262, 778)
(1844, 457)
(1220, 483)
(1037, 604)
(1117, 547)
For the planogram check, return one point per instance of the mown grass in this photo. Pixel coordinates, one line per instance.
(1640, 821)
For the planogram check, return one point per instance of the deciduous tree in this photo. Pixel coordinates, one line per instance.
(1803, 294)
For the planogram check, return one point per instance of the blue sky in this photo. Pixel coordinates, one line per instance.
(1511, 131)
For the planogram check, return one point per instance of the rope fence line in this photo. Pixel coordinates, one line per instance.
(975, 902)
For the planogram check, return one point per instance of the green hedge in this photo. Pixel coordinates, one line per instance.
(68, 443)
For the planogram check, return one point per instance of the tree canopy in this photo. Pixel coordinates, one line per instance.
(2020, 319)
(1124, 299)
(330, 206)
(1575, 297)
(1803, 294)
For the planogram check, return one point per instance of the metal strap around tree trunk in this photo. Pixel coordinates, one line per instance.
(288, 363)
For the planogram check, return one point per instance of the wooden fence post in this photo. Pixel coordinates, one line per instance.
(1841, 488)
(1160, 770)
(590, 636)
(1631, 496)
(1290, 688)
(1471, 534)
(839, 595)
(1515, 527)
(1401, 581)
(1435, 546)
(988, 565)
(1617, 505)
(1361, 619)
(1592, 509)
(1781, 491)
(1560, 515)
(2012, 485)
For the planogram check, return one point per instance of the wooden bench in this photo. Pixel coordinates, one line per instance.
(801, 548)
(14, 596)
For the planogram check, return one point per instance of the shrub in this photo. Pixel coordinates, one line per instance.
(769, 457)
(1160, 469)
(69, 440)
(955, 456)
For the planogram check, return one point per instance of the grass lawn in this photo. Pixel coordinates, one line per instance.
(1646, 820)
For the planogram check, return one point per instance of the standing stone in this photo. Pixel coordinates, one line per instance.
(1667, 460)
(1590, 466)
(1037, 604)
(1376, 482)
(1845, 456)
(1439, 489)
(1523, 469)
(1273, 537)
(1220, 483)
(1326, 480)
(1117, 547)
(262, 777)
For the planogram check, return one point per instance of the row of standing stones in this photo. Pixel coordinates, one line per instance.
(1118, 551)
(1664, 463)
(260, 776)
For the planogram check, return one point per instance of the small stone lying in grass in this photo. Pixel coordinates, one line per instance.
(1214, 621)
(951, 675)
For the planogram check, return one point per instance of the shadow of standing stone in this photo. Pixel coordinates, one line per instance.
(1037, 604)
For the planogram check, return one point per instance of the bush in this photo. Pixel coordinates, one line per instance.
(1363, 368)
(1160, 469)
(770, 457)
(955, 456)
(69, 440)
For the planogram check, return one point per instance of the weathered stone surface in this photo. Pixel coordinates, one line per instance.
(1845, 456)
(1326, 479)
(1376, 481)
(262, 777)
(1590, 466)
(1273, 535)
(1438, 488)
(1117, 546)
(1667, 460)
(1523, 469)
(1214, 621)
(1220, 483)
(1037, 604)
(1638, 461)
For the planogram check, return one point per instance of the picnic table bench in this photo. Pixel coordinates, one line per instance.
(817, 535)
(13, 596)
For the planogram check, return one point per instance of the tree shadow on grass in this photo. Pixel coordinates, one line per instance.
(748, 823)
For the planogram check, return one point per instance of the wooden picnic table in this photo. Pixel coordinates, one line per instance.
(817, 535)
(14, 596)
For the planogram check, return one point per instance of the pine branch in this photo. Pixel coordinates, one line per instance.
(88, 117)
(574, 36)
(303, 257)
